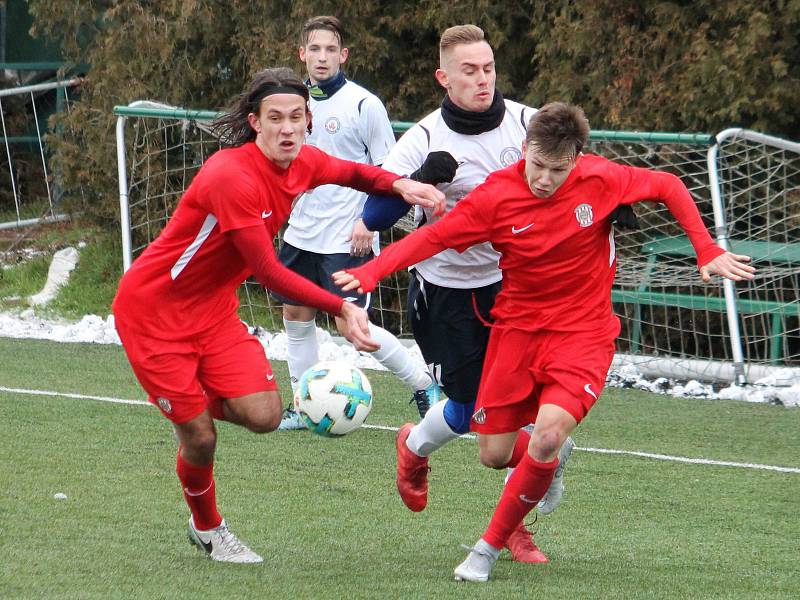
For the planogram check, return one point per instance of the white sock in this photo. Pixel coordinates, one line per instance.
(393, 355)
(485, 546)
(431, 433)
(301, 346)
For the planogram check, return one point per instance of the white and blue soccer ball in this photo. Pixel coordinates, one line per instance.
(333, 398)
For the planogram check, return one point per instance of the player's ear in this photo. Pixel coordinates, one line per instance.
(441, 77)
(308, 120)
(301, 52)
(252, 119)
(343, 55)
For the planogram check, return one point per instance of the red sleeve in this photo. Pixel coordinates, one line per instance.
(461, 228)
(254, 245)
(419, 245)
(366, 178)
(637, 184)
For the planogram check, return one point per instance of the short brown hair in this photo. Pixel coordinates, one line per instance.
(558, 130)
(460, 34)
(326, 22)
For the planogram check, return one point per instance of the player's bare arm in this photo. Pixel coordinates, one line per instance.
(728, 265)
(420, 194)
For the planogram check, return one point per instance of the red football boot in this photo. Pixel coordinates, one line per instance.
(412, 473)
(522, 548)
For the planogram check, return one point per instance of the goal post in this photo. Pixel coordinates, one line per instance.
(746, 187)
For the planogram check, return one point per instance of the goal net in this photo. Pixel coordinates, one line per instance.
(672, 324)
(29, 192)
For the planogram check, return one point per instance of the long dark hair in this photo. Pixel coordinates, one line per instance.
(233, 128)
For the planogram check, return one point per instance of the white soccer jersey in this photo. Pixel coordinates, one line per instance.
(352, 124)
(477, 156)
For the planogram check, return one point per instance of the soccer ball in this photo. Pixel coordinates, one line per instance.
(333, 398)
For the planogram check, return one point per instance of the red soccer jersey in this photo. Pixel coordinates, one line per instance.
(186, 280)
(557, 254)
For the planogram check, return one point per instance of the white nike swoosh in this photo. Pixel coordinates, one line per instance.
(270, 377)
(515, 231)
(588, 389)
(266, 215)
(527, 500)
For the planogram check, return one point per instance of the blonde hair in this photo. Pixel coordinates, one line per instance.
(457, 35)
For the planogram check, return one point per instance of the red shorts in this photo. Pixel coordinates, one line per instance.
(181, 376)
(525, 369)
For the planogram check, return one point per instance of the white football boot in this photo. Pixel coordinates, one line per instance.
(478, 565)
(222, 544)
(556, 490)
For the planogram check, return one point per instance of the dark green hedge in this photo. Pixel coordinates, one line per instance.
(649, 65)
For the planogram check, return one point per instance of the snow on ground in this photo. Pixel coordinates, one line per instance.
(95, 329)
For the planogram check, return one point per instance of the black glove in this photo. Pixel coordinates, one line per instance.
(439, 167)
(624, 217)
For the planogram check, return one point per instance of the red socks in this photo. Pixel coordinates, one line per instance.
(520, 448)
(527, 485)
(199, 492)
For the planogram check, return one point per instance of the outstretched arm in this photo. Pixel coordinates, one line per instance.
(645, 184)
(381, 212)
(371, 179)
(418, 245)
(255, 247)
(729, 265)
(469, 223)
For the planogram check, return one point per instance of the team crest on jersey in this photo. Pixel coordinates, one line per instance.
(480, 416)
(333, 125)
(584, 215)
(510, 155)
(164, 404)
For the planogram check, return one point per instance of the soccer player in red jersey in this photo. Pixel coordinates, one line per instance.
(552, 341)
(176, 308)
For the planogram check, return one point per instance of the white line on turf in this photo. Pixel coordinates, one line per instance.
(68, 395)
(666, 457)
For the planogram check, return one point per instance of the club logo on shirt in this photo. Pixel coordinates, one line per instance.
(509, 155)
(480, 416)
(164, 404)
(584, 215)
(333, 125)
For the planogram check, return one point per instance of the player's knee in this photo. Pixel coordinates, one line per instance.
(263, 422)
(200, 443)
(458, 415)
(546, 444)
(494, 458)
(264, 417)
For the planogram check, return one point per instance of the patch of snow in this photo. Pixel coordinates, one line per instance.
(95, 329)
(61, 266)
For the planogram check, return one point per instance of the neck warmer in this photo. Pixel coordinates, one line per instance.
(473, 123)
(325, 89)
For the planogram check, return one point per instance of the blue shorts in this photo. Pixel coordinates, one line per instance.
(318, 268)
